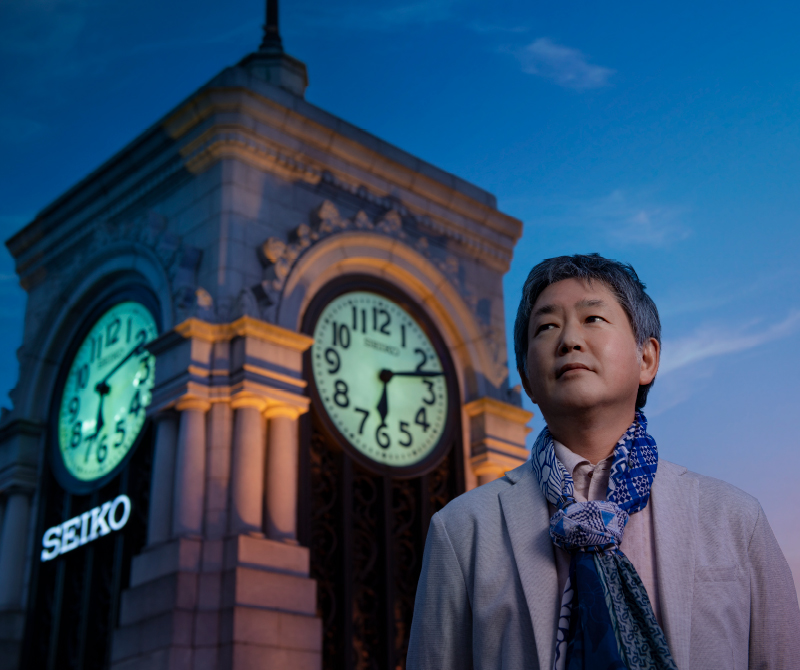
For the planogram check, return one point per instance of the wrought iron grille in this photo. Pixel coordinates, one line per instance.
(367, 534)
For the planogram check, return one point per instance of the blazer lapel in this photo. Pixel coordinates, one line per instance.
(675, 501)
(528, 521)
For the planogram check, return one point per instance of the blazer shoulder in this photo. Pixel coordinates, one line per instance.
(479, 507)
(727, 504)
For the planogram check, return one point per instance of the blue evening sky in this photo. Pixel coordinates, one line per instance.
(666, 135)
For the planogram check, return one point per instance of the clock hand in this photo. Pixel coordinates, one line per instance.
(137, 349)
(386, 375)
(383, 403)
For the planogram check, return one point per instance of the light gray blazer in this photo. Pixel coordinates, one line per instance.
(488, 594)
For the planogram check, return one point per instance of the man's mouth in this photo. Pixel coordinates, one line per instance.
(568, 367)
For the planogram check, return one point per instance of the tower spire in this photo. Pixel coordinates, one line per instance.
(272, 37)
(271, 63)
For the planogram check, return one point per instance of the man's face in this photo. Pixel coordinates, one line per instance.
(582, 352)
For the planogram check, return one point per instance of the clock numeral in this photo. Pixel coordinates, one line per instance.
(403, 336)
(382, 437)
(102, 448)
(74, 407)
(82, 377)
(97, 347)
(136, 403)
(419, 352)
(146, 362)
(340, 397)
(112, 332)
(341, 335)
(77, 434)
(89, 442)
(363, 320)
(365, 412)
(405, 431)
(387, 319)
(120, 431)
(332, 357)
(421, 419)
(429, 384)
(128, 331)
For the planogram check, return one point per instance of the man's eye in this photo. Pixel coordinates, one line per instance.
(594, 319)
(545, 326)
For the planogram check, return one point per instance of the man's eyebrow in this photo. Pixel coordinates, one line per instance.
(544, 309)
(591, 303)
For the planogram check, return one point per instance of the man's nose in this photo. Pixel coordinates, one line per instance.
(570, 340)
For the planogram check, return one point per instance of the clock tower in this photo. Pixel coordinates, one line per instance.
(262, 348)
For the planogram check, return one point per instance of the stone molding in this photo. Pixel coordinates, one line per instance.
(245, 326)
(247, 363)
(497, 436)
(341, 155)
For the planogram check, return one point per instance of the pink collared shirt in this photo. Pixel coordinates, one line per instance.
(638, 540)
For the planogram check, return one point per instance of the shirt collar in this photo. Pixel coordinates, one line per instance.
(571, 460)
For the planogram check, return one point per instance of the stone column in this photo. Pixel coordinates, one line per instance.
(247, 470)
(163, 479)
(13, 543)
(190, 468)
(282, 464)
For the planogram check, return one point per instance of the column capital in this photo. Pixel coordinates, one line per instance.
(240, 400)
(190, 402)
(497, 437)
(291, 411)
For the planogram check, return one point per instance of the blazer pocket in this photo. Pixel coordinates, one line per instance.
(716, 573)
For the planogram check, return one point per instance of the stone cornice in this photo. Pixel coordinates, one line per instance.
(498, 408)
(245, 326)
(433, 192)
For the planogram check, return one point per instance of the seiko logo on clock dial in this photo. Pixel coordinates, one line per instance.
(379, 378)
(107, 390)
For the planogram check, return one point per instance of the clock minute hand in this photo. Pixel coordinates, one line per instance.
(417, 373)
(137, 349)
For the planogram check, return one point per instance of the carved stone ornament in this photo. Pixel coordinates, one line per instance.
(278, 257)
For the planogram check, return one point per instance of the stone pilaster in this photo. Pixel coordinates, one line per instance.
(497, 437)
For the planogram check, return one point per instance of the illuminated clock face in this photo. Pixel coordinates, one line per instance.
(108, 388)
(379, 378)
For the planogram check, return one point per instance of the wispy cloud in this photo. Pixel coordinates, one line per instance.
(631, 219)
(564, 66)
(718, 340)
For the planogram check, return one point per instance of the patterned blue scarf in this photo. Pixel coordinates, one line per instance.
(606, 620)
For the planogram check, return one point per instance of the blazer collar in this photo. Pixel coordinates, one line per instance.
(675, 500)
(528, 521)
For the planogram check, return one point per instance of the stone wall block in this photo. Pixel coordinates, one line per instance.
(260, 588)
(256, 657)
(180, 555)
(178, 590)
(207, 629)
(265, 553)
(171, 629)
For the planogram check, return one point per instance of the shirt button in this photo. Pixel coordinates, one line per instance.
(591, 472)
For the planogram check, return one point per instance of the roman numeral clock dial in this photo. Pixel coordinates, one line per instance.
(106, 392)
(379, 378)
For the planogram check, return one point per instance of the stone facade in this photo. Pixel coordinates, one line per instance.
(234, 211)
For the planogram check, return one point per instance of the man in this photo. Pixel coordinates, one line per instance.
(596, 554)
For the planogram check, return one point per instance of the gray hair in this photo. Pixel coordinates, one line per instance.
(620, 278)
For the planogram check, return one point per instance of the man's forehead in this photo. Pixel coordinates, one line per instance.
(574, 293)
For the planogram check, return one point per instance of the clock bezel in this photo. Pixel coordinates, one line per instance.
(70, 483)
(367, 283)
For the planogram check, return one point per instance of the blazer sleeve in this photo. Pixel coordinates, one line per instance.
(441, 630)
(774, 612)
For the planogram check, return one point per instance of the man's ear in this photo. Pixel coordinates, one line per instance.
(651, 355)
(524, 378)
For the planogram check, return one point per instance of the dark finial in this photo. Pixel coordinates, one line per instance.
(272, 38)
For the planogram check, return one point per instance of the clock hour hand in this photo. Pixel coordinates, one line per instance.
(383, 403)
